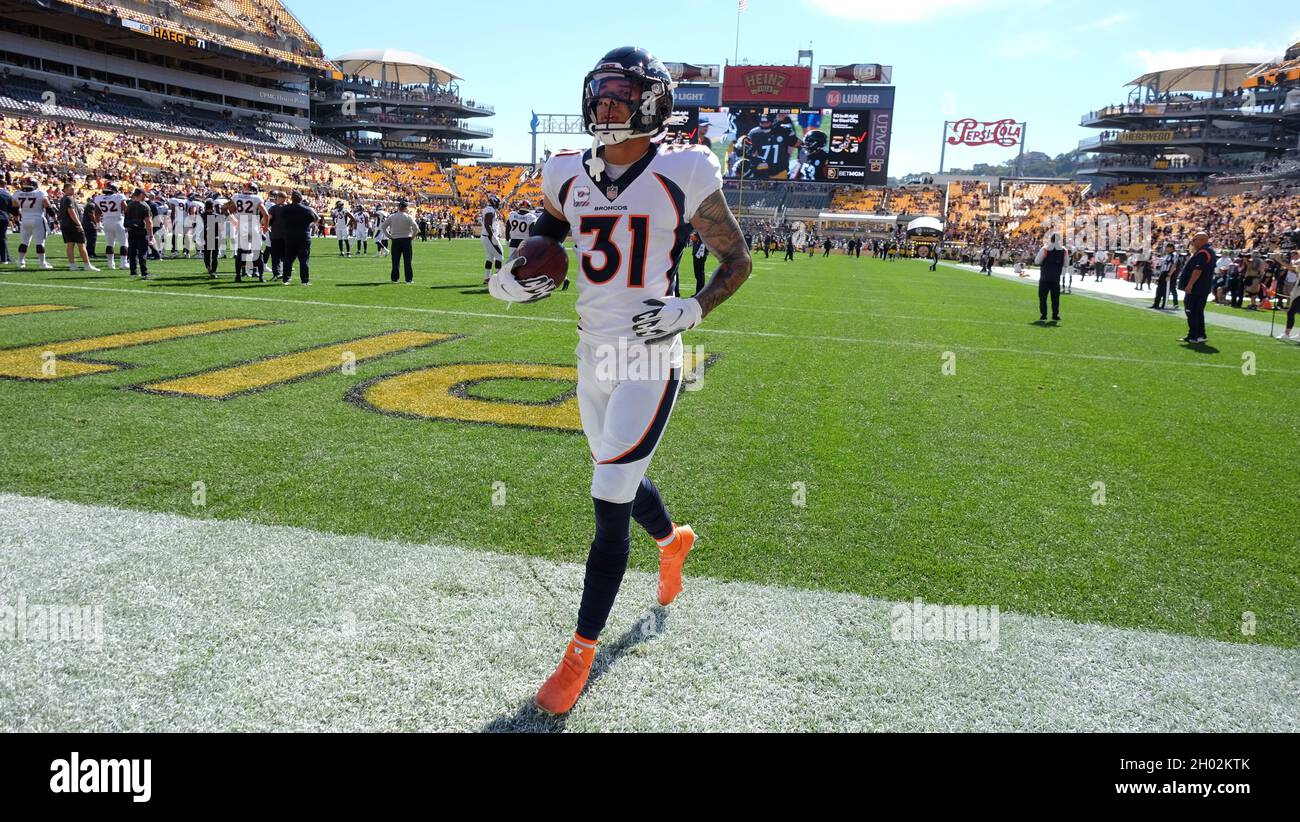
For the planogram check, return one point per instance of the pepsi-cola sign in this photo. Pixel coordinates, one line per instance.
(970, 132)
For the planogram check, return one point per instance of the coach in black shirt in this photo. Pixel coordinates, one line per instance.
(277, 236)
(297, 220)
(1051, 262)
(699, 255)
(1196, 280)
(6, 204)
(138, 221)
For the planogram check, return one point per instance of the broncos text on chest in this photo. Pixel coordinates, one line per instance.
(629, 230)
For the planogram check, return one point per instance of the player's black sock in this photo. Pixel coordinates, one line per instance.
(497, 264)
(605, 565)
(649, 511)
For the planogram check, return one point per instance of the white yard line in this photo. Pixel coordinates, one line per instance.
(936, 346)
(217, 625)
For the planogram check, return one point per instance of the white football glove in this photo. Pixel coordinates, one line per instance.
(504, 286)
(666, 317)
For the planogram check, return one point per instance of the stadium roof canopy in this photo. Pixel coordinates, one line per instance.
(925, 226)
(394, 66)
(1223, 70)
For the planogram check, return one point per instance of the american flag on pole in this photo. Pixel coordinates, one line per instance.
(744, 4)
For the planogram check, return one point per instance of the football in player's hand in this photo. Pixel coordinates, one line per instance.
(542, 257)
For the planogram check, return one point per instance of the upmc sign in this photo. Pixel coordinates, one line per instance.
(850, 97)
(772, 85)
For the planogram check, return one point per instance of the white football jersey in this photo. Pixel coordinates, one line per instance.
(31, 204)
(520, 223)
(112, 207)
(484, 230)
(177, 205)
(247, 203)
(629, 231)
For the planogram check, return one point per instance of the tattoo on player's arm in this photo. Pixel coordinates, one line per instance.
(718, 228)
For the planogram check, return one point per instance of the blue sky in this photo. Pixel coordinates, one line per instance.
(1044, 62)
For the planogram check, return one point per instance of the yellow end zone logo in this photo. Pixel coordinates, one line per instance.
(435, 392)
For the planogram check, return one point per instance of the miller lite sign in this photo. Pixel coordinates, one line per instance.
(969, 132)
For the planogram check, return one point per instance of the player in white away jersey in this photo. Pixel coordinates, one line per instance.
(251, 219)
(361, 231)
(180, 224)
(487, 232)
(630, 206)
(377, 218)
(342, 228)
(194, 222)
(520, 223)
(112, 207)
(33, 206)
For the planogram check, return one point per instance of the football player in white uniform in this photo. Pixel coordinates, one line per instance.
(179, 206)
(112, 207)
(629, 205)
(361, 219)
(520, 223)
(342, 219)
(222, 205)
(251, 219)
(33, 206)
(381, 239)
(194, 219)
(487, 232)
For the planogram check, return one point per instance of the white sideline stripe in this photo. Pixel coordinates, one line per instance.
(324, 303)
(227, 625)
(703, 329)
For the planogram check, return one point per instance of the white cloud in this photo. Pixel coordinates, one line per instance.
(910, 11)
(1038, 44)
(1105, 22)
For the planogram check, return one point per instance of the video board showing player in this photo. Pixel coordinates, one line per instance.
(770, 143)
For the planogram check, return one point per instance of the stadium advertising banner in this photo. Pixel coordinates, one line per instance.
(861, 126)
(971, 132)
(847, 159)
(1146, 136)
(683, 127)
(164, 33)
(856, 73)
(766, 85)
(697, 95)
(855, 97)
(690, 72)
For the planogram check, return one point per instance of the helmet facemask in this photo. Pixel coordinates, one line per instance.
(619, 87)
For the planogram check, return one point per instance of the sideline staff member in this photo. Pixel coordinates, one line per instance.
(297, 220)
(401, 228)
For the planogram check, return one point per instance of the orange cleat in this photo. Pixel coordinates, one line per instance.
(558, 694)
(671, 558)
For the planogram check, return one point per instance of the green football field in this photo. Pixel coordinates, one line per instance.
(861, 427)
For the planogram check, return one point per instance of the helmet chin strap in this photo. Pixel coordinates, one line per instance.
(595, 165)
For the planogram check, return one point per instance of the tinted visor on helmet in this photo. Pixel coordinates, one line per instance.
(622, 92)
